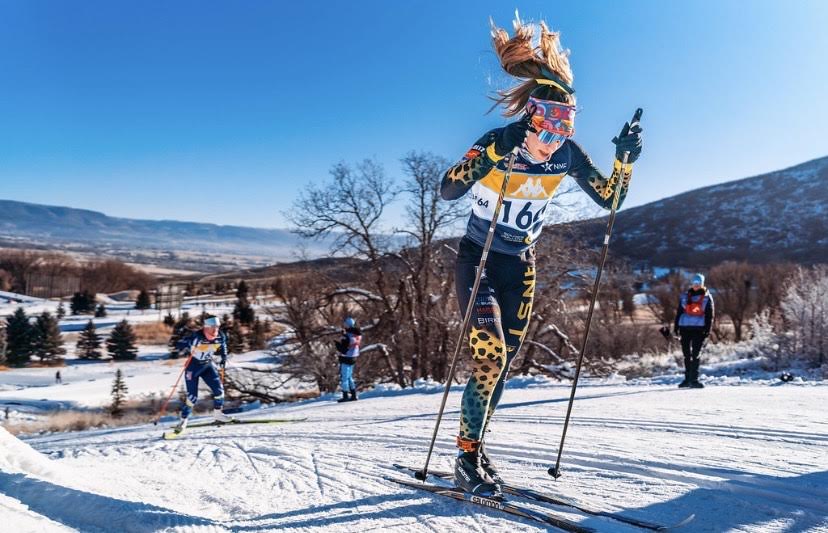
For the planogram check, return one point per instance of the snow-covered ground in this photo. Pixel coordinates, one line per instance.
(87, 383)
(752, 457)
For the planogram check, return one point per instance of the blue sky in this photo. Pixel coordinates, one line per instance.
(222, 111)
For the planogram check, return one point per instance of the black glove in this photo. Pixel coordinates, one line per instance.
(513, 135)
(676, 332)
(629, 140)
(706, 334)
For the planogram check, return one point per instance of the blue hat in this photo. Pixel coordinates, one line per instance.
(698, 278)
(211, 322)
(350, 322)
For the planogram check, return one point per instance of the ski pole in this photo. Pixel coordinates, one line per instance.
(164, 407)
(555, 471)
(423, 474)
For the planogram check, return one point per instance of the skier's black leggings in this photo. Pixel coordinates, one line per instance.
(692, 340)
(498, 324)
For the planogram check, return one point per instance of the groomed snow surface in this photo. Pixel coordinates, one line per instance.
(752, 457)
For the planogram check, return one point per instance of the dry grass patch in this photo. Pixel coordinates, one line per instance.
(76, 421)
(152, 333)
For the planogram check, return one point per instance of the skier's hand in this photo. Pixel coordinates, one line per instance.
(629, 140)
(676, 332)
(513, 135)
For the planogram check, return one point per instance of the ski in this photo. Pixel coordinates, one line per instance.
(251, 421)
(172, 434)
(531, 494)
(545, 518)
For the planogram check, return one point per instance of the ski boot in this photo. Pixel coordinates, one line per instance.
(696, 385)
(469, 474)
(221, 418)
(354, 395)
(182, 425)
(345, 397)
(684, 384)
(488, 466)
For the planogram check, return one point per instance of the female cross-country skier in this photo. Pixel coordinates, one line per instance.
(203, 345)
(544, 101)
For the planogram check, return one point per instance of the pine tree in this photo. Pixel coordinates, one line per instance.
(235, 338)
(100, 312)
(47, 340)
(258, 335)
(89, 343)
(61, 311)
(243, 312)
(19, 338)
(181, 329)
(121, 342)
(143, 301)
(2, 343)
(82, 302)
(169, 319)
(242, 291)
(119, 391)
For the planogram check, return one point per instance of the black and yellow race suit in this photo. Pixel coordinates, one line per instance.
(503, 306)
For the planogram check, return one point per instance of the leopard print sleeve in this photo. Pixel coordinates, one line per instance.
(475, 165)
(590, 179)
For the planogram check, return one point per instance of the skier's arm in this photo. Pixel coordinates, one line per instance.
(709, 314)
(475, 165)
(223, 348)
(593, 182)
(679, 311)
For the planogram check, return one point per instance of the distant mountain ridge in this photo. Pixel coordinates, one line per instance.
(778, 216)
(68, 226)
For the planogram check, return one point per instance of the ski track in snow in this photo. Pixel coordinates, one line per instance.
(747, 458)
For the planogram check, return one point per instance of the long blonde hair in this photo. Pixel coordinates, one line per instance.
(522, 59)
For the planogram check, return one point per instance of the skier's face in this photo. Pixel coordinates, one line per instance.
(210, 332)
(539, 150)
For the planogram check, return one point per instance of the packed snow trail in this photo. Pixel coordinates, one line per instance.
(743, 458)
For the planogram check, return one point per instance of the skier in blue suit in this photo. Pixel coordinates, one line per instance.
(203, 346)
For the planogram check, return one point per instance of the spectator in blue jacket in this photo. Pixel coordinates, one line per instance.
(694, 318)
(348, 348)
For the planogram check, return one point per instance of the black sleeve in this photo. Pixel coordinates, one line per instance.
(593, 182)
(709, 314)
(475, 165)
(679, 312)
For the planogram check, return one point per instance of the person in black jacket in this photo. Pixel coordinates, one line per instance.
(694, 318)
(348, 348)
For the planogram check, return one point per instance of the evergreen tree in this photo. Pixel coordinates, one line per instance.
(169, 320)
(61, 311)
(235, 338)
(119, 391)
(19, 338)
(143, 301)
(100, 312)
(242, 291)
(89, 343)
(47, 340)
(181, 330)
(121, 342)
(82, 302)
(2, 343)
(258, 335)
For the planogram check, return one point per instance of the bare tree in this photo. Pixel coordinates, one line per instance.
(734, 285)
(805, 306)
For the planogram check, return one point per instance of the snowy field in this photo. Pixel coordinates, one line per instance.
(750, 456)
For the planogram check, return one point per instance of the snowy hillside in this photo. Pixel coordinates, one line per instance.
(779, 216)
(751, 457)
